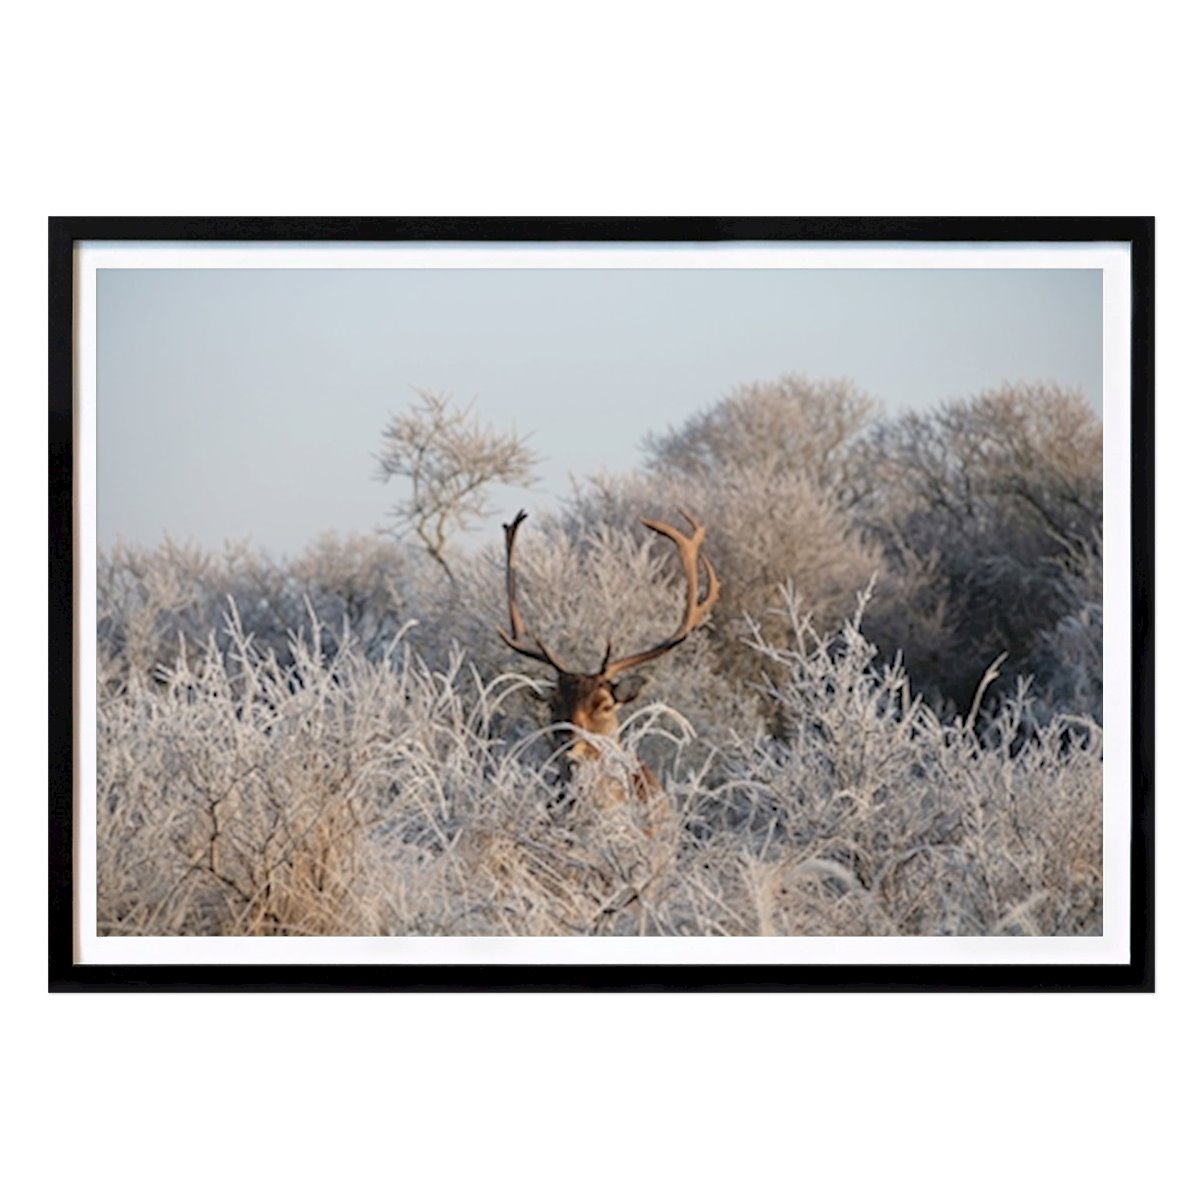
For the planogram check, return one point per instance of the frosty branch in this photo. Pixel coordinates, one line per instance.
(449, 459)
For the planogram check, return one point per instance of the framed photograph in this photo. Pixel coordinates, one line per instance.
(601, 604)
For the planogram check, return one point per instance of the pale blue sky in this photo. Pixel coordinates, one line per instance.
(239, 404)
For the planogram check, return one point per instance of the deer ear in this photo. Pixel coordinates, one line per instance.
(627, 688)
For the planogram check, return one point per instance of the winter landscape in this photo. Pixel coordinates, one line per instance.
(808, 662)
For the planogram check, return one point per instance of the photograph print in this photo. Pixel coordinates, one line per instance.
(615, 602)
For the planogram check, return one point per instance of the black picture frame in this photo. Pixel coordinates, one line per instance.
(66, 974)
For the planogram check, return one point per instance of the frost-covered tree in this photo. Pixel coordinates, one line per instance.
(448, 459)
(1003, 492)
(773, 468)
(790, 426)
(764, 529)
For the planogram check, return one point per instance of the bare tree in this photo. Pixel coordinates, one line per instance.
(449, 459)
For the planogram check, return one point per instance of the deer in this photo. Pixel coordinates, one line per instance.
(603, 855)
(586, 705)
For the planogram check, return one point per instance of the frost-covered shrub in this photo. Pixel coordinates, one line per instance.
(344, 794)
(870, 815)
(150, 602)
(338, 795)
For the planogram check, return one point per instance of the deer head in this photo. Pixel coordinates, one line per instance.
(591, 702)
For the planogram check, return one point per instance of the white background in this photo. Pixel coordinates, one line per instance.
(645, 109)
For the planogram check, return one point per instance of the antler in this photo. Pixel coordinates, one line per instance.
(516, 641)
(695, 610)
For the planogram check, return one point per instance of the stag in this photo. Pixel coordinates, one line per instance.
(587, 705)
